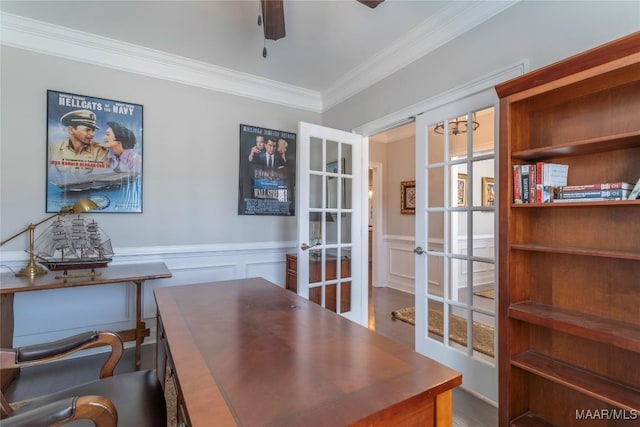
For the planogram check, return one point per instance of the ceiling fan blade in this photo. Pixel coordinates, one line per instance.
(371, 3)
(273, 18)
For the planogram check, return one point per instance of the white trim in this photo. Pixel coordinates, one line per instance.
(377, 268)
(113, 308)
(445, 25)
(468, 89)
(49, 39)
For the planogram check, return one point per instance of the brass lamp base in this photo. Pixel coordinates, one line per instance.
(31, 270)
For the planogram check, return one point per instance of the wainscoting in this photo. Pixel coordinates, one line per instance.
(48, 315)
(397, 268)
(38, 314)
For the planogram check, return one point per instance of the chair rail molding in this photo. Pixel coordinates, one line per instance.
(112, 307)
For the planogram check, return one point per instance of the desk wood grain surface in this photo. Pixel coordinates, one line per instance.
(249, 352)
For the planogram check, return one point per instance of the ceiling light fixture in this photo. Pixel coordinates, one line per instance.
(458, 125)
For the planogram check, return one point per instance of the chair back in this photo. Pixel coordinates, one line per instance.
(5, 409)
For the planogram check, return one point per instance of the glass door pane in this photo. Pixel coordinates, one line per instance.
(333, 219)
(457, 215)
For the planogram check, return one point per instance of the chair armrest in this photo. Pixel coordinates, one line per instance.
(99, 409)
(39, 354)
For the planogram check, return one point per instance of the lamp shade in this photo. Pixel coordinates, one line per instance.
(80, 206)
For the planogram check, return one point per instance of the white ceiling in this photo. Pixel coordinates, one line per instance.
(334, 48)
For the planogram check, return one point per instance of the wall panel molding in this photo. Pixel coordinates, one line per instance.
(112, 307)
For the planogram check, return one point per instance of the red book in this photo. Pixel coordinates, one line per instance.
(539, 188)
(517, 192)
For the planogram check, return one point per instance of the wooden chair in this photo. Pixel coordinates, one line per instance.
(129, 399)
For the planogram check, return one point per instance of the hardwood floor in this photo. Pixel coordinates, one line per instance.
(469, 411)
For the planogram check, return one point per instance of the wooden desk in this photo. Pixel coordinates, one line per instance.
(135, 273)
(247, 352)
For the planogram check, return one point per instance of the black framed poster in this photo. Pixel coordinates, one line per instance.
(267, 171)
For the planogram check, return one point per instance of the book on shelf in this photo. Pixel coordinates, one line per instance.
(517, 190)
(539, 174)
(539, 182)
(533, 176)
(601, 186)
(586, 194)
(635, 193)
(589, 199)
(525, 183)
(554, 174)
(551, 176)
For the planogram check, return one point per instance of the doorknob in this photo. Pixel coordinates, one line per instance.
(305, 246)
(419, 250)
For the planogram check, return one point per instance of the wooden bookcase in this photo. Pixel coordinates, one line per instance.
(569, 291)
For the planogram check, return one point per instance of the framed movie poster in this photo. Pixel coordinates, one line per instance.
(267, 172)
(94, 151)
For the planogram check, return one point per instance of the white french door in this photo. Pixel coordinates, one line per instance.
(455, 260)
(331, 214)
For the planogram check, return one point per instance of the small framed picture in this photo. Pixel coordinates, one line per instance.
(462, 189)
(408, 197)
(488, 191)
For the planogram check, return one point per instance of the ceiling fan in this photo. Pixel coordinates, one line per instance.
(273, 18)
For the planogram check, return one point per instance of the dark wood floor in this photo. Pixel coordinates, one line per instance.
(469, 411)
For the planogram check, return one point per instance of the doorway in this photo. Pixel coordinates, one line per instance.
(456, 249)
(469, 278)
(439, 101)
(391, 155)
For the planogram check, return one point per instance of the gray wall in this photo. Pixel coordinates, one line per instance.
(191, 149)
(399, 166)
(191, 134)
(541, 31)
(191, 157)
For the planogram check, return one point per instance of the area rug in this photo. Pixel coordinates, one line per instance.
(489, 293)
(482, 334)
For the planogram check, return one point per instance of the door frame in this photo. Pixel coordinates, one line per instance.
(406, 114)
(378, 270)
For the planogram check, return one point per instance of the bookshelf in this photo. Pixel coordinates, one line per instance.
(569, 291)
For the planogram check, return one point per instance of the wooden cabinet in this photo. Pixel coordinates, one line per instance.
(292, 273)
(166, 374)
(315, 275)
(569, 298)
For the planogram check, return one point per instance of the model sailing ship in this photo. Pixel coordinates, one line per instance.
(73, 245)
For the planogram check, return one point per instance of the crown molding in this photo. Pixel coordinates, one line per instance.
(448, 23)
(49, 39)
(468, 89)
(55, 40)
